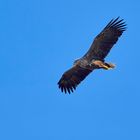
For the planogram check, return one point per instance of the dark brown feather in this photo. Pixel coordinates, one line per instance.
(71, 78)
(106, 39)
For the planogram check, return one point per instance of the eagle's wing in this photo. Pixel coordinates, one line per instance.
(71, 78)
(103, 42)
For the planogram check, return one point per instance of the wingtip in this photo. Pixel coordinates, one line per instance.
(66, 88)
(117, 23)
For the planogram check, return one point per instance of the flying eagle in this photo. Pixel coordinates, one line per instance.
(94, 58)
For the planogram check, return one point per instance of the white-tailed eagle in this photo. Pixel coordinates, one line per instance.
(94, 58)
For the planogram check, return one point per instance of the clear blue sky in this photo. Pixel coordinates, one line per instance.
(39, 40)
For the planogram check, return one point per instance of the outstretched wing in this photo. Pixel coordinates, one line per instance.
(71, 78)
(103, 42)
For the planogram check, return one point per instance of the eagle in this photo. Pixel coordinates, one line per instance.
(95, 56)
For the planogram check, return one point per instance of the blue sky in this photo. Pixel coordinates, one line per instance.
(39, 40)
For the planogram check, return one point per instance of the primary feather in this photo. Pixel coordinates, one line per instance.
(103, 42)
(71, 78)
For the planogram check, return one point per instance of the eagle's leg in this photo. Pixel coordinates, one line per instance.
(104, 65)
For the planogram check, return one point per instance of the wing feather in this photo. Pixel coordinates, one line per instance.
(103, 42)
(71, 78)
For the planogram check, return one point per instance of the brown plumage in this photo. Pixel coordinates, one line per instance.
(71, 78)
(94, 58)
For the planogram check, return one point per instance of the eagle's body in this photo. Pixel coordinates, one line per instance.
(94, 58)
